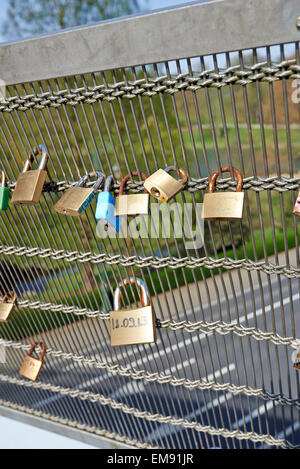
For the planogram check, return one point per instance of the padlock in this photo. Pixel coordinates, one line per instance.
(296, 210)
(224, 205)
(77, 198)
(105, 209)
(131, 204)
(30, 183)
(7, 308)
(163, 186)
(32, 367)
(136, 326)
(4, 192)
(297, 359)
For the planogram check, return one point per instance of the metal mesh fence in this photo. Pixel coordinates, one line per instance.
(220, 373)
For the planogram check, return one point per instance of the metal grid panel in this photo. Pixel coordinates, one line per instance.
(220, 374)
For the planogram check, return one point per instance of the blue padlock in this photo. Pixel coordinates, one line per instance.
(106, 207)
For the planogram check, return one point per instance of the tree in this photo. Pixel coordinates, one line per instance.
(30, 17)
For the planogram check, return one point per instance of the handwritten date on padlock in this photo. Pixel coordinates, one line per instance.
(136, 328)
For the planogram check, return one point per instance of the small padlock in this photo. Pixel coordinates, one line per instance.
(163, 186)
(7, 308)
(32, 367)
(131, 204)
(296, 210)
(105, 210)
(77, 198)
(136, 326)
(297, 359)
(4, 192)
(30, 183)
(224, 205)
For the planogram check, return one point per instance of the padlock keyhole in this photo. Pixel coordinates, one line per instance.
(155, 192)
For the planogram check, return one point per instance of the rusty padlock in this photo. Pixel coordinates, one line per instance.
(136, 326)
(32, 367)
(7, 308)
(30, 183)
(163, 186)
(131, 204)
(224, 205)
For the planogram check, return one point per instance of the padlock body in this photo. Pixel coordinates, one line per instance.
(132, 327)
(4, 198)
(223, 206)
(31, 368)
(29, 187)
(105, 211)
(75, 201)
(5, 311)
(132, 204)
(162, 186)
(296, 210)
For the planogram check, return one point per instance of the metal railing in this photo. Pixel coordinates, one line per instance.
(200, 87)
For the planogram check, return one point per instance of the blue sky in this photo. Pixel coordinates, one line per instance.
(145, 5)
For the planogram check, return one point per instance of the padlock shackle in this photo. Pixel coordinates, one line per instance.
(179, 171)
(13, 296)
(82, 181)
(40, 150)
(225, 169)
(145, 297)
(108, 183)
(3, 178)
(33, 347)
(125, 179)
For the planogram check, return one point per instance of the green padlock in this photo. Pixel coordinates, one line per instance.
(4, 192)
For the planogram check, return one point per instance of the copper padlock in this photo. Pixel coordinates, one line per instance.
(224, 205)
(163, 186)
(296, 210)
(7, 308)
(77, 198)
(131, 204)
(136, 326)
(30, 183)
(32, 367)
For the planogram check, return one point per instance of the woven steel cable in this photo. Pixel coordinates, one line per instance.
(161, 84)
(76, 236)
(86, 395)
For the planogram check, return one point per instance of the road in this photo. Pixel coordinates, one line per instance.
(213, 357)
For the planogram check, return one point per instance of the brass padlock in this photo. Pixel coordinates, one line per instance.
(224, 205)
(30, 183)
(32, 367)
(77, 198)
(163, 186)
(296, 210)
(131, 204)
(7, 308)
(136, 326)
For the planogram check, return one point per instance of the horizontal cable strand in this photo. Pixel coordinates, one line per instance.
(160, 377)
(155, 262)
(83, 427)
(160, 85)
(99, 398)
